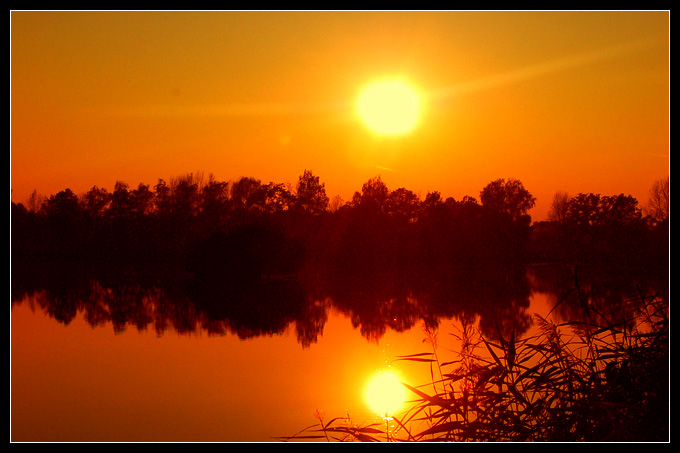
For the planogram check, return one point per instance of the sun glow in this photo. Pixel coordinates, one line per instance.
(384, 394)
(389, 107)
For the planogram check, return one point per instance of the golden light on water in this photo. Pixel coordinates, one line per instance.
(385, 394)
(389, 107)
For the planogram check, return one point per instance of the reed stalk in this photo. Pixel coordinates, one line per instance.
(590, 380)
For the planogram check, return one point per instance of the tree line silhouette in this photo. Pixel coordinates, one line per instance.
(256, 256)
(171, 221)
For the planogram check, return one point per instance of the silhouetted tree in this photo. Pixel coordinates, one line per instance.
(508, 196)
(277, 197)
(310, 195)
(432, 200)
(602, 228)
(558, 207)
(96, 201)
(141, 200)
(35, 201)
(120, 201)
(468, 200)
(247, 197)
(584, 209)
(373, 195)
(658, 205)
(403, 204)
(63, 206)
(214, 206)
(594, 209)
(162, 198)
(620, 209)
(185, 196)
(64, 221)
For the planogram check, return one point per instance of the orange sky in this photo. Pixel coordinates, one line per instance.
(570, 101)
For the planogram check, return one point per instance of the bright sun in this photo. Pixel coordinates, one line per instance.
(384, 394)
(389, 107)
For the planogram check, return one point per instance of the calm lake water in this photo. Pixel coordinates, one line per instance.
(91, 377)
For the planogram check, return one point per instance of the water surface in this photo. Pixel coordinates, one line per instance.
(92, 361)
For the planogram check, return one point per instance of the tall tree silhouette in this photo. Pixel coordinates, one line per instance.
(120, 202)
(403, 204)
(277, 197)
(248, 197)
(508, 196)
(96, 201)
(64, 220)
(373, 195)
(214, 206)
(658, 205)
(310, 194)
(558, 207)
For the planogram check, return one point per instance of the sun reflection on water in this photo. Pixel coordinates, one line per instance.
(384, 394)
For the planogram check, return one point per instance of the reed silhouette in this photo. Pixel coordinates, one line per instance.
(579, 381)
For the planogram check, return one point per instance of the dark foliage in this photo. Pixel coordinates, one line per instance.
(236, 252)
(253, 259)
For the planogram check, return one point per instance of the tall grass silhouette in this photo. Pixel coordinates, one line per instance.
(591, 380)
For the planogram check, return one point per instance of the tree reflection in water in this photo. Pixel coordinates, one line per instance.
(251, 304)
(253, 259)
